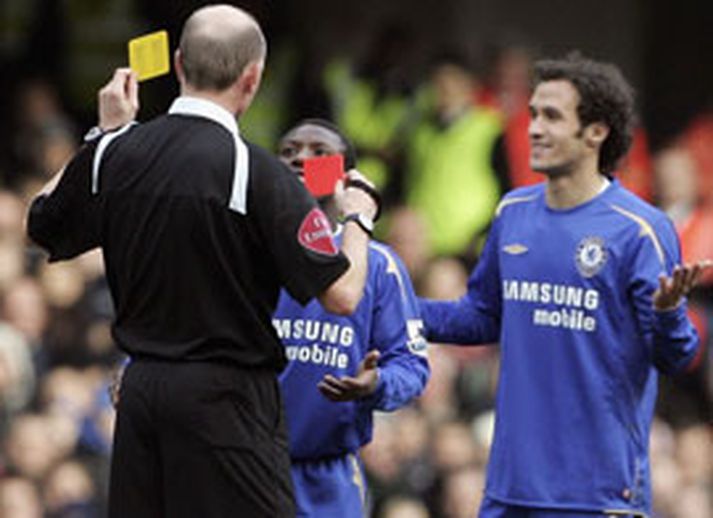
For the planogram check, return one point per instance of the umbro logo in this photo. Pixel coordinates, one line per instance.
(515, 249)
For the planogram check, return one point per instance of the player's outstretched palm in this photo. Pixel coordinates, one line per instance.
(348, 388)
(672, 289)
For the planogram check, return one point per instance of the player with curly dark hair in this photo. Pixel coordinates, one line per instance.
(581, 285)
(604, 96)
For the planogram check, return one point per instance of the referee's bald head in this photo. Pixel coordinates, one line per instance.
(217, 43)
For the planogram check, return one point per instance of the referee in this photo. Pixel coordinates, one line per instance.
(199, 230)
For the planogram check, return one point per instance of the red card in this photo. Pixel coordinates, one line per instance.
(322, 174)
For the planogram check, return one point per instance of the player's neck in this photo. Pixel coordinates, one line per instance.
(569, 190)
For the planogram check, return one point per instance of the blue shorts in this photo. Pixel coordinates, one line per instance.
(330, 487)
(493, 509)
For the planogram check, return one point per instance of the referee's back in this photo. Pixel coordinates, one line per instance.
(192, 279)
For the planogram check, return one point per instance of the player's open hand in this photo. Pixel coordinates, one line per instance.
(348, 388)
(119, 100)
(673, 289)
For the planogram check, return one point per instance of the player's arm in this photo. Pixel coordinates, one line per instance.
(675, 341)
(343, 295)
(298, 237)
(395, 370)
(475, 317)
(659, 299)
(398, 334)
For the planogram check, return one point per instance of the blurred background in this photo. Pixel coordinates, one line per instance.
(434, 95)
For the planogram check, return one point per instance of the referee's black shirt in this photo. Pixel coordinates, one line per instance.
(199, 231)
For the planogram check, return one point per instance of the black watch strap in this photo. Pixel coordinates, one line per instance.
(93, 134)
(364, 222)
(358, 184)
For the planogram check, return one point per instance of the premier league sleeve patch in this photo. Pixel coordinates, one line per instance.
(591, 256)
(315, 233)
(417, 344)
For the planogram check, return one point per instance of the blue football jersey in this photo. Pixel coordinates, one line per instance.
(568, 294)
(318, 343)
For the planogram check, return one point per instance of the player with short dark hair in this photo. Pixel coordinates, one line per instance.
(374, 359)
(580, 282)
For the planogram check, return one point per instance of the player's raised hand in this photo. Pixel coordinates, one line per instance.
(356, 194)
(119, 99)
(348, 388)
(672, 289)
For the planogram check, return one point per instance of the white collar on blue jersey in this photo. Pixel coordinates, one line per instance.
(198, 107)
(606, 182)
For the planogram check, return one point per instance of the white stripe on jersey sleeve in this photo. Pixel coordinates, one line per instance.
(99, 152)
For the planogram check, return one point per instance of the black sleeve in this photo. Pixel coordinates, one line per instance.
(66, 221)
(296, 231)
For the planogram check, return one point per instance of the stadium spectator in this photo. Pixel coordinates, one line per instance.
(456, 167)
(696, 139)
(69, 492)
(24, 307)
(17, 376)
(680, 196)
(403, 507)
(462, 492)
(407, 234)
(19, 498)
(373, 102)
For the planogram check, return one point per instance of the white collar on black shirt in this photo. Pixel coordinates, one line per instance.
(198, 107)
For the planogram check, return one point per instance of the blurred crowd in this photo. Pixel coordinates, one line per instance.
(443, 149)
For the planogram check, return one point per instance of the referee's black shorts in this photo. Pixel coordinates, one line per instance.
(199, 440)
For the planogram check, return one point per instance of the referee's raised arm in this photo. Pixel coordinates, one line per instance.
(199, 230)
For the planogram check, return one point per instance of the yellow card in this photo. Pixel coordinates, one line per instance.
(148, 55)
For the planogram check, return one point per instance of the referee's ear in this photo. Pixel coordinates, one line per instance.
(248, 83)
(178, 66)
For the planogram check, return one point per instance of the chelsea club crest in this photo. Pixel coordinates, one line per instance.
(591, 256)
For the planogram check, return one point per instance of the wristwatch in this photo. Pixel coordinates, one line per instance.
(365, 222)
(93, 134)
